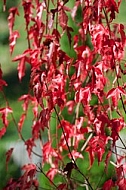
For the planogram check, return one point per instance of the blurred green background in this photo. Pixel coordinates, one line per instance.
(15, 89)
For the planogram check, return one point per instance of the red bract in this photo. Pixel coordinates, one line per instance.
(11, 19)
(83, 63)
(100, 123)
(4, 113)
(70, 104)
(41, 123)
(63, 18)
(100, 36)
(96, 147)
(84, 95)
(107, 160)
(21, 122)
(30, 170)
(74, 10)
(13, 37)
(122, 33)
(26, 181)
(29, 146)
(51, 173)
(116, 126)
(112, 7)
(27, 98)
(122, 184)
(108, 185)
(23, 58)
(76, 154)
(44, 118)
(2, 131)
(2, 82)
(121, 172)
(27, 5)
(50, 153)
(115, 94)
(28, 178)
(62, 186)
(13, 34)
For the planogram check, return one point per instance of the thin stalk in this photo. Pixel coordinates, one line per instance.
(41, 171)
(70, 150)
(85, 179)
(64, 135)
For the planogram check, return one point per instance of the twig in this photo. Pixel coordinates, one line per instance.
(76, 167)
(41, 171)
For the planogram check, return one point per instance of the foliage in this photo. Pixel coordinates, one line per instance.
(84, 91)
